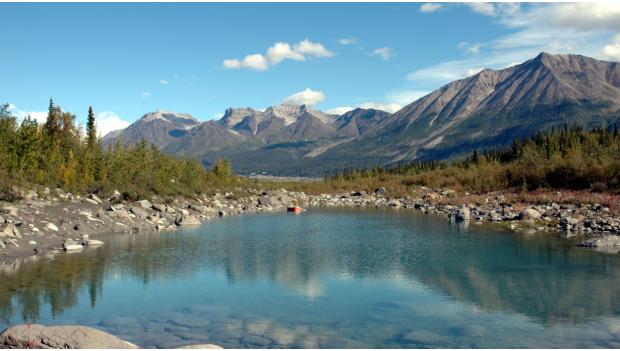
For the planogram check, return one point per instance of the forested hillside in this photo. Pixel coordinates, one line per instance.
(61, 154)
(566, 158)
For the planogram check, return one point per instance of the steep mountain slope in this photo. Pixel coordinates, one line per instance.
(359, 121)
(488, 109)
(491, 108)
(158, 128)
(206, 137)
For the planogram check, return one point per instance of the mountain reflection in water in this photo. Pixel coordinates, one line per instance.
(546, 279)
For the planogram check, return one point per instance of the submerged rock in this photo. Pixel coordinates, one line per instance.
(24, 336)
(200, 346)
(602, 241)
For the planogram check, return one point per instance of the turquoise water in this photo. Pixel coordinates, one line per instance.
(328, 278)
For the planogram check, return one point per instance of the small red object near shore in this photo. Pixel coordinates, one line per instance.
(295, 209)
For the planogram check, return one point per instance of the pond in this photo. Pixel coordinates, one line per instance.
(332, 278)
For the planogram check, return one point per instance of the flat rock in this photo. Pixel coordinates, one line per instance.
(60, 337)
(146, 204)
(602, 241)
(73, 247)
(51, 226)
(200, 346)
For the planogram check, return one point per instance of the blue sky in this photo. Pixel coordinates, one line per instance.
(129, 59)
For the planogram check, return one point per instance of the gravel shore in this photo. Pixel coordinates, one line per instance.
(55, 222)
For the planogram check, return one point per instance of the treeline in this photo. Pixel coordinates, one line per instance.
(564, 158)
(61, 154)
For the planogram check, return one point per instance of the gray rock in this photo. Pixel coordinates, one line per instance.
(146, 204)
(529, 214)
(30, 195)
(380, 191)
(10, 210)
(187, 220)
(160, 207)
(60, 337)
(51, 226)
(463, 214)
(11, 231)
(140, 212)
(270, 201)
(95, 198)
(602, 241)
(201, 346)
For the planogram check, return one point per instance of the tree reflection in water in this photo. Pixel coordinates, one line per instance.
(546, 279)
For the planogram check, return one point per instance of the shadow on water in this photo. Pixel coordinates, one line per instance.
(546, 279)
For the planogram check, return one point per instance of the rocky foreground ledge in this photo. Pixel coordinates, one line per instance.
(52, 222)
(36, 336)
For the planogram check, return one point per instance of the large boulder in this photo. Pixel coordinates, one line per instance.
(31, 336)
(271, 201)
(140, 212)
(463, 214)
(146, 204)
(529, 214)
(186, 220)
(602, 241)
(11, 231)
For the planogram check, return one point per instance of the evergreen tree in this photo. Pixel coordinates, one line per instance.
(51, 125)
(91, 129)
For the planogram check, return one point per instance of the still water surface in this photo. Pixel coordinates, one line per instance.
(328, 278)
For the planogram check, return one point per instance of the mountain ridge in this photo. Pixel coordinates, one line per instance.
(487, 109)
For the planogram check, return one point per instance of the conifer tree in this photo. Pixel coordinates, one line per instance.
(91, 129)
(51, 125)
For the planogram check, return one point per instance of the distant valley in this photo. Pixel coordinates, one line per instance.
(488, 109)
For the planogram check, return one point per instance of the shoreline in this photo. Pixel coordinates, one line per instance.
(64, 222)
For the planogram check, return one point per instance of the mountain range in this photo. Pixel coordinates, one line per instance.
(488, 109)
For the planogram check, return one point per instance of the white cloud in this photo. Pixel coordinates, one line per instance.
(232, 63)
(279, 52)
(163, 82)
(393, 102)
(472, 71)
(405, 97)
(389, 107)
(306, 47)
(469, 48)
(339, 110)
(612, 51)
(39, 116)
(484, 8)
(385, 53)
(145, 94)
(430, 7)
(108, 121)
(558, 28)
(474, 49)
(347, 41)
(256, 62)
(305, 97)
